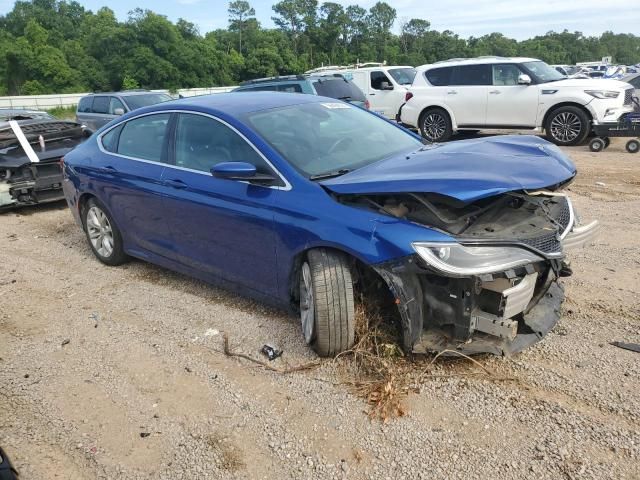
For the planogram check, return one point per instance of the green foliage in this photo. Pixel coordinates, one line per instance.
(56, 46)
(63, 113)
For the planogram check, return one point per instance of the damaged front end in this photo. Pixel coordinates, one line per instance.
(30, 154)
(495, 287)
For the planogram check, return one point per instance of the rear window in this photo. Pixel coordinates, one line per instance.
(145, 99)
(439, 77)
(338, 88)
(100, 105)
(472, 75)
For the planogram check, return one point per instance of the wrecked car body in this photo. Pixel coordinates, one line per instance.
(317, 199)
(32, 145)
(493, 288)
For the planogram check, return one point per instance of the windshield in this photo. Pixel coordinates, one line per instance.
(403, 76)
(338, 87)
(146, 99)
(320, 138)
(542, 72)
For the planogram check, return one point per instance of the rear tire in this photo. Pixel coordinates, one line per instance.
(567, 126)
(326, 302)
(103, 234)
(435, 125)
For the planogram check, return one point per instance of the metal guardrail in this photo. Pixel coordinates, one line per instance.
(47, 102)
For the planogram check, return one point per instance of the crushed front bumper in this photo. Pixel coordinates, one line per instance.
(501, 313)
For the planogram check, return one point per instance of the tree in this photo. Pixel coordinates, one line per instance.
(381, 18)
(239, 12)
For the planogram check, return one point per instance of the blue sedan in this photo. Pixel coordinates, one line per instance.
(312, 203)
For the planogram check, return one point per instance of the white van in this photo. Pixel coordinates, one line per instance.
(383, 86)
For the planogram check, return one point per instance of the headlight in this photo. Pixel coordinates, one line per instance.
(459, 260)
(602, 93)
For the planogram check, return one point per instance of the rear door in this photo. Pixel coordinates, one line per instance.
(467, 94)
(510, 104)
(220, 227)
(99, 114)
(128, 179)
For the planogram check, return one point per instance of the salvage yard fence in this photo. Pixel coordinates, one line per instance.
(48, 102)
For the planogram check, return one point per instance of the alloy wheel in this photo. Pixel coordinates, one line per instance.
(307, 313)
(434, 125)
(99, 231)
(566, 127)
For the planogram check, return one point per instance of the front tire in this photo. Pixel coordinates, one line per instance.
(327, 311)
(102, 233)
(435, 125)
(633, 146)
(567, 126)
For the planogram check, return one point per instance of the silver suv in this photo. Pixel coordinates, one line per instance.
(98, 109)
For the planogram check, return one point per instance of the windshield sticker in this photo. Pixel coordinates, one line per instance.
(335, 105)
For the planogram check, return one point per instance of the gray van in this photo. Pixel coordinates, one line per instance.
(98, 109)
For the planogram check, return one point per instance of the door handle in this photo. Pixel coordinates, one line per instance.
(452, 92)
(495, 92)
(107, 169)
(372, 94)
(175, 184)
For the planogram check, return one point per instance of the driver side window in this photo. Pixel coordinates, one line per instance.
(506, 74)
(202, 142)
(377, 78)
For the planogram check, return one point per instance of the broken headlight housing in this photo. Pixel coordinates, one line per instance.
(460, 260)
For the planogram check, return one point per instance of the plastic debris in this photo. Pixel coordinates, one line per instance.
(634, 347)
(271, 352)
(66, 341)
(212, 332)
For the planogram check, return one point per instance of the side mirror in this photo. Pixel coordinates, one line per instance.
(118, 111)
(241, 171)
(524, 79)
(386, 86)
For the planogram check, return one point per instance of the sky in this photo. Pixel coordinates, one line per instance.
(514, 18)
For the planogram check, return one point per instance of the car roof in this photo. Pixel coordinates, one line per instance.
(476, 61)
(125, 93)
(237, 104)
(292, 78)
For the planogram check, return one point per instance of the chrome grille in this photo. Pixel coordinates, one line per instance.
(628, 96)
(550, 242)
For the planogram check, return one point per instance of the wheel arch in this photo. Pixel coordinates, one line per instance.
(357, 265)
(440, 106)
(553, 108)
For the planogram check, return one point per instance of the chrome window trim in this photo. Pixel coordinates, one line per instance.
(287, 186)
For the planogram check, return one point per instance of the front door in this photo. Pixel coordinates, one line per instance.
(220, 227)
(382, 95)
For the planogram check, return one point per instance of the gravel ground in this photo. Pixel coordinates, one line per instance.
(119, 372)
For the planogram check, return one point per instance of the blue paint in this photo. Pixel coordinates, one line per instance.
(247, 236)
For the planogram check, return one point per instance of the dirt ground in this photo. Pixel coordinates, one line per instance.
(119, 372)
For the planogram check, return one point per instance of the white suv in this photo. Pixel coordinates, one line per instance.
(510, 93)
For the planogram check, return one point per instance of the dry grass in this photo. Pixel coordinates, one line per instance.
(378, 371)
(231, 458)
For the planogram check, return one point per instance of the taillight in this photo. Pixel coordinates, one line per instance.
(367, 104)
(408, 96)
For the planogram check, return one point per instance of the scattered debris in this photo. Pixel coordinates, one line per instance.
(188, 369)
(144, 434)
(66, 341)
(95, 317)
(297, 368)
(601, 184)
(634, 347)
(211, 332)
(270, 352)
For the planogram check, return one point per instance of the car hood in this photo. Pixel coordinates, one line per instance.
(588, 83)
(466, 170)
